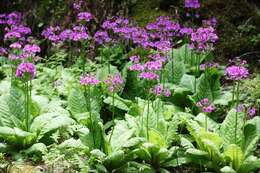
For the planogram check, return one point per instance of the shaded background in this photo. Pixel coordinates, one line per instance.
(238, 20)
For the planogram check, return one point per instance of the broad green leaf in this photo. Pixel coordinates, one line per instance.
(208, 86)
(228, 128)
(174, 71)
(212, 125)
(119, 102)
(197, 153)
(227, 169)
(156, 138)
(252, 136)
(38, 148)
(251, 164)
(121, 135)
(49, 122)
(234, 154)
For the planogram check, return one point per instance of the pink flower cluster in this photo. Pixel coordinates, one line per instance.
(203, 39)
(209, 66)
(114, 83)
(205, 105)
(84, 16)
(159, 90)
(89, 79)
(237, 71)
(192, 4)
(25, 69)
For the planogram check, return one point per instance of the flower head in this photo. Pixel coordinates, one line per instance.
(205, 105)
(26, 70)
(32, 48)
(89, 79)
(192, 4)
(149, 76)
(102, 37)
(251, 112)
(15, 45)
(236, 72)
(159, 90)
(85, 16)
(114, 83)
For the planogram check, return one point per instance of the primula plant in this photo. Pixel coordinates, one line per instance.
(108, 95)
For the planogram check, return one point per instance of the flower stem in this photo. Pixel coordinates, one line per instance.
(236, 118)
(27, 105)
(147, 119)
(206, 122)
(88, 99)
(113, 115)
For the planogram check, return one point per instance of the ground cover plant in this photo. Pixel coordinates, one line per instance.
(113, 96)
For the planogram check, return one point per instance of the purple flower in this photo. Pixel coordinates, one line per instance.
(52, 33)
(26, 70)
(159, 90)
(158, 57)
(102, 37)
(12, 35)
(236, 73)
(77, 5)
(79, 33)
(149, 76)
(210, 22)
(209, 66)
(186, 31)
(136, 67)
(135, 59)
(31, 49)
(163, 46)
(114, 83)
(192, 4)
(3, 51)
(2, 19)
(203, 39)
(153, 65)
(13, 57)
(89, 79)
(251, 112)
(15, 45)
(240, 108)
(84, 16)
(205, 105)
(14, 18)
(66, 35)
(167, 92)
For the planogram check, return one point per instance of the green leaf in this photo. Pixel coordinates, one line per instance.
(188, 81)
(212, 125)
(174, 71)
(252, 136)
(38, 148)
(121, 135)
(119, 102)
(227, 169)
(227, 128)
(50, 122)
(197, 153)
(156, 138)
(208, 87)
(251, 164)
(76, 102)
(234, 154)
